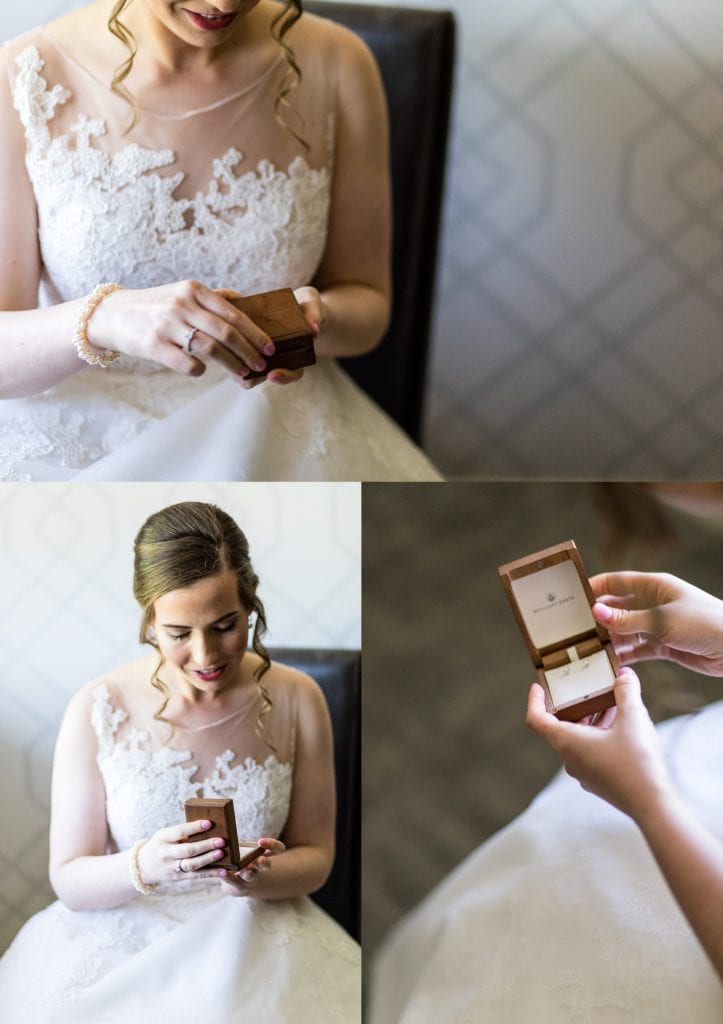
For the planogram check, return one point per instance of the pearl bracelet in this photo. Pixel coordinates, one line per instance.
(87, 352)
(138, 883)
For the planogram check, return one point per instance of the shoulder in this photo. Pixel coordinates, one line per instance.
(292, 683)
(336, 47)
(22, 56)
(108, 689)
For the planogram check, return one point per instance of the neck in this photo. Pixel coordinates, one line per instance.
(171, 47)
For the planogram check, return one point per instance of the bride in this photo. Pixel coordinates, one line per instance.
(159, 157)
(146, 928)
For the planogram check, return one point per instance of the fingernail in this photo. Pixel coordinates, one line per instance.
(269, 349)
(259, 365)
(205, 824)
(218, 842)
(222, 873)
(604, 612)
(218, 854)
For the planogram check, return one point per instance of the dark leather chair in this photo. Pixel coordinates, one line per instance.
(338, 673)
(415, 52)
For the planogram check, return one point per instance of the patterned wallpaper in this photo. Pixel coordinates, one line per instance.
(580, 305)
(67, 613)
(580, 311)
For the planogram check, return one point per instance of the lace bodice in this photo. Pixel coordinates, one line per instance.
(147, 784)
(223, 194)
(114, 209)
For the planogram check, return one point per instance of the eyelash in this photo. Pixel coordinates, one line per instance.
(219, 629)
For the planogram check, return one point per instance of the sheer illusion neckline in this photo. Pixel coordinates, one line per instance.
(247, 705)
(183, 115)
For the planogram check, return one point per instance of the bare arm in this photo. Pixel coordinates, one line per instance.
(691, 861)
(354, 277)
(36, 345)
(620, 760)
(84, 875)
(309, 830)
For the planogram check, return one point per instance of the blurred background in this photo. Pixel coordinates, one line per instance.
(448, 760)
(67, 614)
(580, 295)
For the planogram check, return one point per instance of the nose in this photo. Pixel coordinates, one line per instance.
(203, 650)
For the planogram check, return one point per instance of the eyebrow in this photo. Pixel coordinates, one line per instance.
(216, 622)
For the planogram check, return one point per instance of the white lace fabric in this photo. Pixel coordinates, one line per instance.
(221, 195)
(149, 772)
(151, 959)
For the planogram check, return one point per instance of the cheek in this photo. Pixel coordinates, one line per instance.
(235, 644)
(175, 654)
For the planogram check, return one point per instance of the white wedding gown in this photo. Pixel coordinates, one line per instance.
(186, 952)
(562, 918)
(217, 193)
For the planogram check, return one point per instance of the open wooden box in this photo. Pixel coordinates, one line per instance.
(550, 596)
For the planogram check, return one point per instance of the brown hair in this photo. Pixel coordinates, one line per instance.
(180, 545)
(282, 22)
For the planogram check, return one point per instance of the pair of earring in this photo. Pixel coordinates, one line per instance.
(585, 664)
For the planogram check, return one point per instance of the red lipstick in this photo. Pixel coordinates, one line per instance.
(213, 23)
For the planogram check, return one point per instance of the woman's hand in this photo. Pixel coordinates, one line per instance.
(620, 758)
(241, 883)
(155, 324)
(656, 615)
(315, 314)
(168, 856)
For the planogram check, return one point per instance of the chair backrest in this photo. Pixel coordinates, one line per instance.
(415, 52)
(338, 673)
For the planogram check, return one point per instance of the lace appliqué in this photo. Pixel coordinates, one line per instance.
(146, 789)
(106, 217)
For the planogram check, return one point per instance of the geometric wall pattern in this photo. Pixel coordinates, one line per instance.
(67, 613)
(579, 310)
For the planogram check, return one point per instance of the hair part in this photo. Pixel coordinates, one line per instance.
(179, 546)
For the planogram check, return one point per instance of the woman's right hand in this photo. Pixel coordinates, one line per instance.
(656, 615)
(168, 856)
(154, 324)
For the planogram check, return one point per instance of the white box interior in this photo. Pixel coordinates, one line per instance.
(580, 679)
(553, 603)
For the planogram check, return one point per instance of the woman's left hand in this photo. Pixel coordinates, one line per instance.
(619, 758)
(315, 314)
(241, 883)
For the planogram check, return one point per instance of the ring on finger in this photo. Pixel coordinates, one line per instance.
(187, 342)
(179, 866)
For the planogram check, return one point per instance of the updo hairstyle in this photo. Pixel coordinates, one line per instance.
(181, 545)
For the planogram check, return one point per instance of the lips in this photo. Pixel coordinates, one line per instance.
(212, 22)
(209, 675)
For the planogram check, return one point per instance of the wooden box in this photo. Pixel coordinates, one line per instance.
(550, 595)
(279, 314)
(221, 814)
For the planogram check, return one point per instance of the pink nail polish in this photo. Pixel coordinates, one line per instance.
(603, 612)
